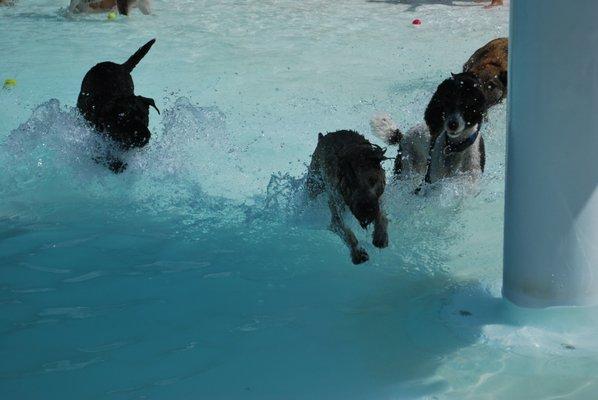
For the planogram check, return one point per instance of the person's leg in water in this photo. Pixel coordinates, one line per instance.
(493, 3)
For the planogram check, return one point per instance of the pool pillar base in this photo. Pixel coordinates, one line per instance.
(551, 198)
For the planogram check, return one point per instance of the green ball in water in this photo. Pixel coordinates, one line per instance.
(112, 16)
(10, 83)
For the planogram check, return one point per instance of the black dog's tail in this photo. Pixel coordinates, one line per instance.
(132, 62)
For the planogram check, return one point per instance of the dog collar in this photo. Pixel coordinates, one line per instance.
(450, 148)
(464, 144)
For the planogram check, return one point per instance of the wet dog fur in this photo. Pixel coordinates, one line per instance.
(347, 168)
(490, 65)
(108, 102)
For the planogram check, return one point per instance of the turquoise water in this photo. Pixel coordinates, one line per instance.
(202, 272)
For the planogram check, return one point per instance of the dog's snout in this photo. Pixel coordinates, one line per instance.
(366, 211)
(142, 138)
(453, 124)
(369, 210)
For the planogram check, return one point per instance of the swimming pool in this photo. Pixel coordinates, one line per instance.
(201, 272)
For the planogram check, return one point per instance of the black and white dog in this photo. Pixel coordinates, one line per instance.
(108, 102)
(450, 142)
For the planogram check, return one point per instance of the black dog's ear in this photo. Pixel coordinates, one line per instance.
(149, 102)
(433, 115)
(453, 75)
(123, 6)
(320, 136)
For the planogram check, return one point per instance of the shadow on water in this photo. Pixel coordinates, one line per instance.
(414, 4)
(402, 333)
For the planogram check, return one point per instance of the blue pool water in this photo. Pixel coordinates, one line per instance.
(201, 272)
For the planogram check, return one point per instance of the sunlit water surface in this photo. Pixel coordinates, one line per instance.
(201, 272)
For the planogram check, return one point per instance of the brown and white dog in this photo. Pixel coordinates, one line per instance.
(450, 141)
(98, 6)
(347, 167)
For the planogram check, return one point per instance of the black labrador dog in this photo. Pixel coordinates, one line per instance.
(347, 167)
(108, 102)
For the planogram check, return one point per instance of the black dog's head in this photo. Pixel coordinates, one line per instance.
(458, 105)
(362, 181)
(126, 119)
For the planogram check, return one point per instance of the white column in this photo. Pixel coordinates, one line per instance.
(551, 210)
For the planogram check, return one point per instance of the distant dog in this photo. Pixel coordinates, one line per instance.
(450, 142)
(97, 6)
(490, 65)
(348, 169)
(108, 101)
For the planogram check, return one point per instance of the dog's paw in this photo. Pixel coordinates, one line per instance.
(380, 239)
(359, 256)
(117, 166)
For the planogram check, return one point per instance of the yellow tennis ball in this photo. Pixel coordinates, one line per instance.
(10, 83)
(112, 16)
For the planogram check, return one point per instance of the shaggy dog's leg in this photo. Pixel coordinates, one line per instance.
(380, 231)
(358, 254)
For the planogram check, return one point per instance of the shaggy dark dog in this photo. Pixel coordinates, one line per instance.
(108, 102)
(348, 169)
